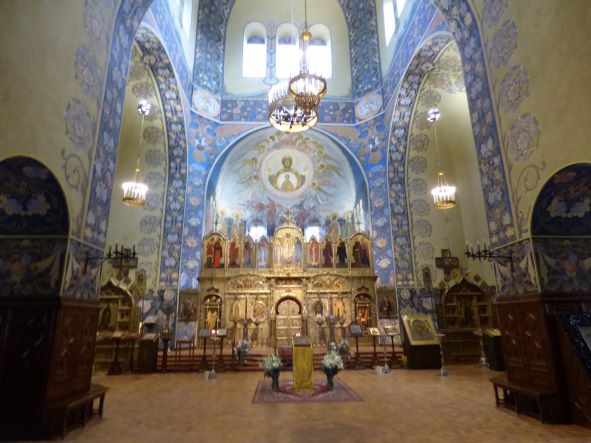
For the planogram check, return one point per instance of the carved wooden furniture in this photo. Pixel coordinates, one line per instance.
(575, 347)
(520, 398)
(147, 355)
(63, 411)
(46, 354)
(533, 357)
(463, 309)
(117, 316)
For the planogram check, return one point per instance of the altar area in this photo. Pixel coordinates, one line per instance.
(270, 290)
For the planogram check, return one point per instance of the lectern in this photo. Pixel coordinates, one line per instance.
(303, 364)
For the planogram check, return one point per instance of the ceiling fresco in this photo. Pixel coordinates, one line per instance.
(269, 175)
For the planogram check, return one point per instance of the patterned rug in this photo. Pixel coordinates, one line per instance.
(341, 392)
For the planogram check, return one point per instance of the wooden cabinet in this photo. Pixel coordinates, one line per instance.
(533, 355)
(463, 309)
(46, 353)
(118, 314)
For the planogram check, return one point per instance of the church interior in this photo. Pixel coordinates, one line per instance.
(300, 220)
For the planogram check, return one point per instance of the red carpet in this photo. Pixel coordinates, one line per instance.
(341, 392)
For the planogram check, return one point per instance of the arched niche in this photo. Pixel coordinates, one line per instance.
(34, 228)
(561, 231)
(499, 214)
(446, 145)
(282, 20)
(144, 140)
(268, 176)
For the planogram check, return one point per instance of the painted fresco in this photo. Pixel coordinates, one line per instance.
(31, 199)
(564, 264)
(562, 215)
(563, 206)
(269, 175)
(33, 229)
(31, 267)
(518, 275)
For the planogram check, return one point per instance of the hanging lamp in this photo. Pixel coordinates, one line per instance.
(444, 195)
(293, 104)
(307, 88)
(134, 191)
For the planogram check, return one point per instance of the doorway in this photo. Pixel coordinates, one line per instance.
(289, 320)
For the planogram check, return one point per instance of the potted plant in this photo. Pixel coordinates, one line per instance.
(272, 366)
(331, 365)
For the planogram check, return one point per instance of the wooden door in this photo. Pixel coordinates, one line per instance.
(289, 321)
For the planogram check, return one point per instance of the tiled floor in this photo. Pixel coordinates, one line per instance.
(408, 406)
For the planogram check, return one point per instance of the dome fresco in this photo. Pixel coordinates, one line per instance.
(269, 174)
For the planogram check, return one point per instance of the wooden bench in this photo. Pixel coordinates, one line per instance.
(84, 402)
(513, 392)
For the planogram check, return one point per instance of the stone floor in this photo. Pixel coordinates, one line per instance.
(407, 406)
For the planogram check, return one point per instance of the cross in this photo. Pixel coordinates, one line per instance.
(446, 262)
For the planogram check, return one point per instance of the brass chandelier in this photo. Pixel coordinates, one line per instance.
(293, 105)
(444, 195)
(134, 191)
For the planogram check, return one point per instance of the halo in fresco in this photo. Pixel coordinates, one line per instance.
(287, 174)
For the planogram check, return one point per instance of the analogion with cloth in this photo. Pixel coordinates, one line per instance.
(303, 364)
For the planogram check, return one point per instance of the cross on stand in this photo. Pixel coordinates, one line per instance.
(446, 262)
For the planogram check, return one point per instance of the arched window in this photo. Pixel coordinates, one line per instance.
(320, 52)
(254, 51)
(389, 19)
(287, 61)
(400, 7)
(392, 10)
(312, 231)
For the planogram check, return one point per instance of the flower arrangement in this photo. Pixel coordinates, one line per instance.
(242, 350)
(272, 366)
(271, 363)
(331, 365)
(332, 362)
(343, 348)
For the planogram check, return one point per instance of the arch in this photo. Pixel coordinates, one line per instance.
(359, 16)
(320, 50)
(561, 231)
(269, 139)
(500, 215)
(287, 46)
(563, 206)
(491, 167)
(128, 19)
(397, 153)
(285, 298)
(162, 69)
(32, 200)
(254, 50)
(32, 204)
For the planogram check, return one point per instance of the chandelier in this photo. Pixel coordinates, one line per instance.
(293, 105)
(444, 195)
(134, 191)
(285, 115)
